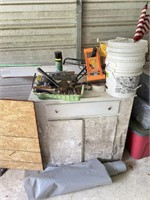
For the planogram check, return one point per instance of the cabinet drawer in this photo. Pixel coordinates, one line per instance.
(78, 110)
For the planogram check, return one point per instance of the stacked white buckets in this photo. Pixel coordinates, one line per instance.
(124, 65)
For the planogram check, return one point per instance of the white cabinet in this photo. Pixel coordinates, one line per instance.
(72, 132)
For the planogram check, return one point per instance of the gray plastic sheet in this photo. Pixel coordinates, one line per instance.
(115, 167)
(69, 178)
(144, 90)
(141, 112)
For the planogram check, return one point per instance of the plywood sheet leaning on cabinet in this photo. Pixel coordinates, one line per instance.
(19, 143)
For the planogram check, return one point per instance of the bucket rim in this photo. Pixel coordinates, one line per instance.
(127, 42)
(126, 50)
(126, 59)
(138, 54)
(139, 62)
(124, 72)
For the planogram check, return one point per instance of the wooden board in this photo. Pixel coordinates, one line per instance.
(19, 144)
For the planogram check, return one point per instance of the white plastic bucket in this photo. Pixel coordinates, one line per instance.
(123, 70)
(127, 54)
(127, 43)
(127, 46)
(125, 66)
(127, 50)
(122, 84)
(126, 58)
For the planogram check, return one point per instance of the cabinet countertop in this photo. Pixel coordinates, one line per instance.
(88, 96)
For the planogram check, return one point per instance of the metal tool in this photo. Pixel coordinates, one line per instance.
(63, 87)
(80, 63)
(49, 78)
(91, 66)
(39, 90)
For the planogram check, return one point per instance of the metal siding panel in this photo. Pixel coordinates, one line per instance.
(36, 1)
(111, 1)
(40, 55)
(31, 32)
(109, 19)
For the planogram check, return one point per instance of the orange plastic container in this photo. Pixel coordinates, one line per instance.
(93, 65)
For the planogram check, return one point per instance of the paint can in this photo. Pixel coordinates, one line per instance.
(58, 61)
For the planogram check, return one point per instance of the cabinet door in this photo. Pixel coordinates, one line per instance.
(99, 137)
(65, 140)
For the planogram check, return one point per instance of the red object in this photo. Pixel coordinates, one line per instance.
(143, 26)
(138, 144)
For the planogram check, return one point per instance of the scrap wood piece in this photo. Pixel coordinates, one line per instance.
(17, 119)
(19, 144)
(19, 156)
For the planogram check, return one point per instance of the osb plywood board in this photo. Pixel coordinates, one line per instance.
(19, 144)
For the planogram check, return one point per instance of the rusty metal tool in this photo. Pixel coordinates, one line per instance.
(48, 77)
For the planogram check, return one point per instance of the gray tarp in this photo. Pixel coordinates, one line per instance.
(115, 167)
(69, 178)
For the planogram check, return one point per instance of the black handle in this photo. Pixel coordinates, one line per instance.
(39, 90)
(94, 52)
(48, 77)
(77, 61)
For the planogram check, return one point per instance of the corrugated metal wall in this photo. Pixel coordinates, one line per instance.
(107, 19)
(30, 31)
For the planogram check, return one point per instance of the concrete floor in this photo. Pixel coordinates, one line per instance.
(131, 185)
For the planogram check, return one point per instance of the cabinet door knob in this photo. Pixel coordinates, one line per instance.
(109, 108)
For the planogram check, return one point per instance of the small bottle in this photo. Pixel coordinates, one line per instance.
(58, 61)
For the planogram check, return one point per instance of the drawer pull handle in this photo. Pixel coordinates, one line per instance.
(56, 111)
(110, 108)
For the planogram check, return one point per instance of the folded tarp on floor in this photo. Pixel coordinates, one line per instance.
(70, 178)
